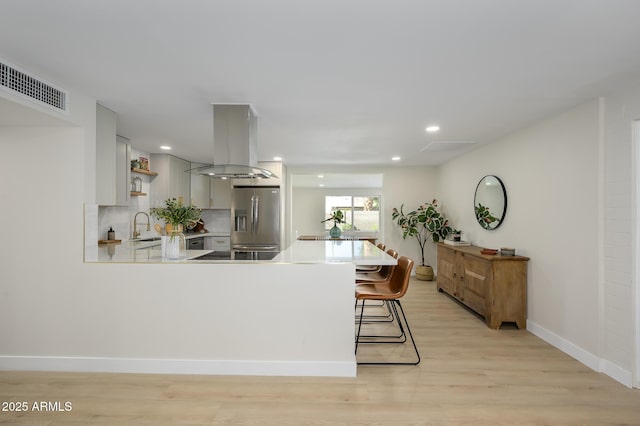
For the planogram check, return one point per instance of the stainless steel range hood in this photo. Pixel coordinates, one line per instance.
(235, 144)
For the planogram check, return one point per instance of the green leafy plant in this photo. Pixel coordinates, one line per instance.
(176, 213)
(424, 224)
(484, 216)
(336, 216)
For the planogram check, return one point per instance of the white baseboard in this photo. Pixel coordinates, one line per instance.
(617, 373)
(587, 358)
(179, 366)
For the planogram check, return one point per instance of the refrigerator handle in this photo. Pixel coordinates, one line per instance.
(251, 217)
(255, 215)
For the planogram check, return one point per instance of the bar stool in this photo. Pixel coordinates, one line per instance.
(390, 291)
(381, 275)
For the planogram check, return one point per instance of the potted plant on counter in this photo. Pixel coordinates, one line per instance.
(176, 217)
(426, 223)
(337, 217)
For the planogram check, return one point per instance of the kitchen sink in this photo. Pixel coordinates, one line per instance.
(142, 240)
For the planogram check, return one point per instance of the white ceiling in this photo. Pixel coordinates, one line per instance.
(341, 82)
(337, 180)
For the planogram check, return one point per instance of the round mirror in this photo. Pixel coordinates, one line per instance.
(490, 202)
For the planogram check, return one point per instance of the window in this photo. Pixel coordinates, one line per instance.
(361, 213)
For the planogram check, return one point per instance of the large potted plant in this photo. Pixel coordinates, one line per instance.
(426, 223)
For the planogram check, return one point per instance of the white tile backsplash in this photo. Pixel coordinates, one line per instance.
(116, 217)
(217, 220)
(121, 219)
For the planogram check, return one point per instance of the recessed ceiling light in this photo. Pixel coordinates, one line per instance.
(165, 147)
(432, 129)
(396, 158)
(320, 176)
(321, 185)
(277, 158)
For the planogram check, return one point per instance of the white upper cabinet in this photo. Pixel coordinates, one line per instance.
(220, 193)
(112, 161)
(200, 189)
(123, 171)
(173, 180)
(105, 156)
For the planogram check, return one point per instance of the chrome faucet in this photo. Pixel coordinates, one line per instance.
(136, 233)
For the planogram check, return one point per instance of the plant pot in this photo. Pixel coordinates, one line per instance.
(335, 232)
(424, 273)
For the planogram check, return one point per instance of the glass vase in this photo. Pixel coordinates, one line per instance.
(176, 244)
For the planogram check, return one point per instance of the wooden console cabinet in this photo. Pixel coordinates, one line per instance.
(494, 286)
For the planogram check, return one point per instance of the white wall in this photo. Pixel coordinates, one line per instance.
(553, 173)
(551, 176)
(410, 186)
(621, 326)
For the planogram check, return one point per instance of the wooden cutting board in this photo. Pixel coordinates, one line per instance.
(102, 242)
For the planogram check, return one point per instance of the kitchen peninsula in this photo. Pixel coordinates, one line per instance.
(357, 252)
(292, 315)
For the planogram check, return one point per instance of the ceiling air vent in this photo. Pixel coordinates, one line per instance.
(31, 87)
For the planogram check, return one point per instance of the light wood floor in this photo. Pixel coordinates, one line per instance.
(469, 375)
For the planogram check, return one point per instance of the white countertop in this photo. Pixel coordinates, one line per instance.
(139, 252)
(187, 235)
(340, 251)
(358, 252)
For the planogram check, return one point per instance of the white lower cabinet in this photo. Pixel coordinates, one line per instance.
(217, 243)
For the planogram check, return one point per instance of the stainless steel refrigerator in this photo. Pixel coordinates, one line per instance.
(255, 212)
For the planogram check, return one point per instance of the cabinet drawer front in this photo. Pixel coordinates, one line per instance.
(218, 243)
